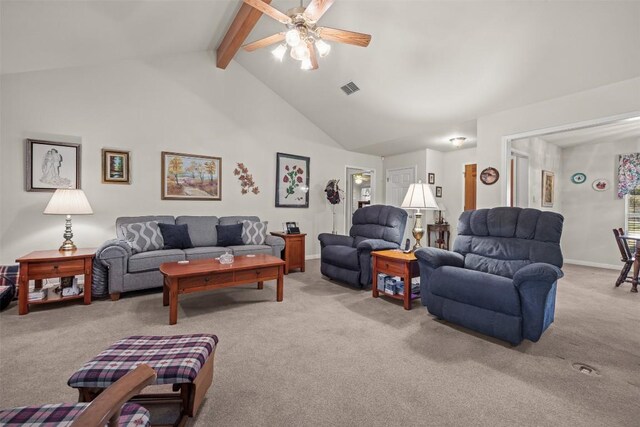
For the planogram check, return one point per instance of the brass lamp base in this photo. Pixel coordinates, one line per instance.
(67, 245)
(418, 231)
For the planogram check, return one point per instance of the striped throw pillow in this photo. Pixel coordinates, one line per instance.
(143, 236)
(254, 233)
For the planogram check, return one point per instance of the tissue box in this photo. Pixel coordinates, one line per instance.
(380, 283)
(415, 286)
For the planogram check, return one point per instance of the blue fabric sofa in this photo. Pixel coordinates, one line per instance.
(501, 277)
(348, 258)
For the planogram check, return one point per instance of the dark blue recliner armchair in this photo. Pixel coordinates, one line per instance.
(500, 279)
(348, 258)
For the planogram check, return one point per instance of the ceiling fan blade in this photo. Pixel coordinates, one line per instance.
(317, 8)
(344, 36)
(269, 10)
(314, 56)
(267, 41)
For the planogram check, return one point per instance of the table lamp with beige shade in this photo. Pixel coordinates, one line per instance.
(418, 197)
(68, 202)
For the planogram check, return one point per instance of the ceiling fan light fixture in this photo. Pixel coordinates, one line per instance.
(292, 37)
(279, 52)
(300, 52)
(323, 48)
(306, 64)
(458, 141)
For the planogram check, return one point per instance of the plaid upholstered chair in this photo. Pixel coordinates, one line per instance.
(108, 408)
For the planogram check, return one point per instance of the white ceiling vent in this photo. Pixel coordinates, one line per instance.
(350, 88)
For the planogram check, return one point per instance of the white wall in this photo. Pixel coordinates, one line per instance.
(589, 216)
(181, 103)
(453, 184)
(542, 156)
(604, 101)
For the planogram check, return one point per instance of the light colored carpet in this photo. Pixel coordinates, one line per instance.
(332, 355)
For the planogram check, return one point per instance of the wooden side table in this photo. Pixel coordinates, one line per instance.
(443, 232)
(294, 251)
(396, 263)
(40, 265)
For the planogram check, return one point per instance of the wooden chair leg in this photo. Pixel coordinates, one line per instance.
(624, 273)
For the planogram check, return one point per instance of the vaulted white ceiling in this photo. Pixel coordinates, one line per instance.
(432, 68)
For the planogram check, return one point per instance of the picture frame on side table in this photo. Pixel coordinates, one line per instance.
(116, 167)
(292, 181)
(52, 165)
(191, 177)
(548, 185)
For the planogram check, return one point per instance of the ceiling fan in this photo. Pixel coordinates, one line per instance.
(305, 39)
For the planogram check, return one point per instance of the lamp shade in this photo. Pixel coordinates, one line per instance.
(68, 202)
(419, 196)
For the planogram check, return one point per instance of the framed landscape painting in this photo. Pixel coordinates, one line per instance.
(191, 177)
(548, 184)
(115, 167)
(52, 165)
(292, 181)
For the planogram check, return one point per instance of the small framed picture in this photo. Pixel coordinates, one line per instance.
(292, 228)
(115, 167)
(438, 191)
(431, 178)
(548, 185)
(51, 165)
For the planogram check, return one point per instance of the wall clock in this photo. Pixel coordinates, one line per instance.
(489, 176)
(578, 178)
(600, 184)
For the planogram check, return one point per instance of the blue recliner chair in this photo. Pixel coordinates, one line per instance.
(348, 258)
(500, 279)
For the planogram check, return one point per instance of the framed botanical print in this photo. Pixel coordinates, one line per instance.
(115, 167)
(191, 177)
(52, 165)
(292, 181)
(548, 184)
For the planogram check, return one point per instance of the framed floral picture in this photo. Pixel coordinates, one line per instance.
(52, 165)
(191, 177)
(292, 181)
(115, 167)
(548, 186)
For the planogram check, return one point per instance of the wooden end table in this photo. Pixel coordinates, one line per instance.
(41, 265)
(443, 233)
(294, 250)
(207, 274)
(396, 263)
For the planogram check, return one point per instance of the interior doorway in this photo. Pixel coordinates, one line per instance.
(398, 182)
(519, 179)
(470, 183)
(359, 191)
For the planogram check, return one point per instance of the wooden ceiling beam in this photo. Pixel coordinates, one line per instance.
(238, 31)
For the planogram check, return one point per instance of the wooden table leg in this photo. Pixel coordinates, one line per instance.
(173, 302)
(23, 297)
(260, 285)
(280, 285)
(407, 287)
(636, 269)
(165, 292)
(88, 280)
(374, 286)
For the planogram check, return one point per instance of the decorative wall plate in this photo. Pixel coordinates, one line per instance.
(600, 184)
(489, 176)
(578, 178)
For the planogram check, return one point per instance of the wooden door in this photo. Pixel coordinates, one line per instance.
(470, 180)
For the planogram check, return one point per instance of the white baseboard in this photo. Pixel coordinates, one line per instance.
(308, 257)
(593, 264)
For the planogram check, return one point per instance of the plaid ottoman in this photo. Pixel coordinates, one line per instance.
(63, 414)
(186, 361)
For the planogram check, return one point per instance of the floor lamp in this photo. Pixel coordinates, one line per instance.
(418, 197)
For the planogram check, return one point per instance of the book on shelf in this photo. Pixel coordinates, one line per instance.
(38, 295)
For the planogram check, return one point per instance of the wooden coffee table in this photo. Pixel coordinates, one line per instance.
(207, 274)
